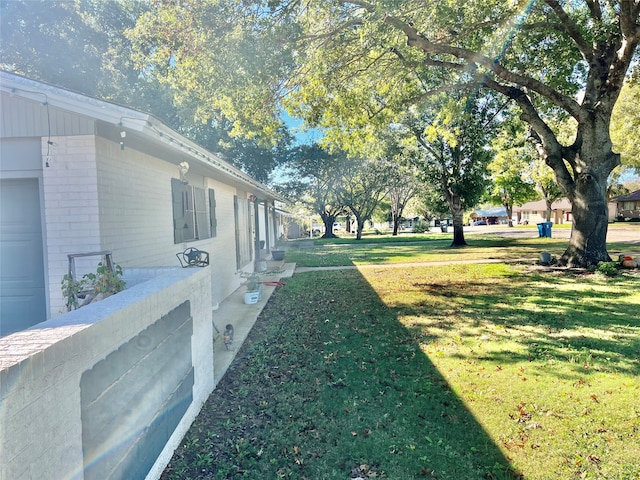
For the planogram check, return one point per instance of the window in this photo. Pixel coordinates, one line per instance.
(190, 219)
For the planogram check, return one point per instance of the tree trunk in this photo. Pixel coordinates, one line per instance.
(457, 213)
(588, 242)
(328, 221)
(549, 206)
(509, 209)
(360, 227)
(396, 222)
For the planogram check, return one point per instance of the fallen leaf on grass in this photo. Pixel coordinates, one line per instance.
(427, 472)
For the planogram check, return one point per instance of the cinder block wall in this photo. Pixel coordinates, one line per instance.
(81, 395)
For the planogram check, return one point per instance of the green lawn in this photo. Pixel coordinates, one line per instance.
(447, 372)
(429, 248)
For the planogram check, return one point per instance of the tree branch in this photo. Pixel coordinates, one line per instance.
(594, 8)
(335, 31)
(415, 39)
(569, 27)
(552, 151)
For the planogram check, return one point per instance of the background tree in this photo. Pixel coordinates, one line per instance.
(546, 185)
(452, 152)
(98, 61)
(363, 185)
(582, 47)
(625, 125)
(403, 186)
(430, 203)
(313, 176)
(510, 184)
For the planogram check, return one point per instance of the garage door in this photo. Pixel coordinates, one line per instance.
(22, 294)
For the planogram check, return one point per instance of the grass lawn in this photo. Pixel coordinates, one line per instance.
(442, 372)
(430, 248)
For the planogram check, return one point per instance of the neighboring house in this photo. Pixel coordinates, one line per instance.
(82, 175)
(490, 216)
(628, 206)
(536, 212)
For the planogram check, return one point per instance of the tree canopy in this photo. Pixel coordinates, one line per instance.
(353, 66)
(625, 125)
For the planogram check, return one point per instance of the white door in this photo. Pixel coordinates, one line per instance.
(22, 292)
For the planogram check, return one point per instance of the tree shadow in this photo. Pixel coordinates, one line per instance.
(548, 314)
(329, 384)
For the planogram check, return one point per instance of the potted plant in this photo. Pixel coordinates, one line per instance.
(92, 287)
(254, 289)
(277, 255)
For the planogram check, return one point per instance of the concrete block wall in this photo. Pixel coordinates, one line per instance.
(41, 370)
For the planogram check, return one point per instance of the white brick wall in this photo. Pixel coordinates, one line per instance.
(99, 197)
(71, 208)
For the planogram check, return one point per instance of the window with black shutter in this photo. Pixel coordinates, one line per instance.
(191, 221)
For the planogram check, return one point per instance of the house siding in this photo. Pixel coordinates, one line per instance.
(222, 247)
(24, 118)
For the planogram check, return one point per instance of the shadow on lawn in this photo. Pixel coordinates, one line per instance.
(553, 320)
(330, 385)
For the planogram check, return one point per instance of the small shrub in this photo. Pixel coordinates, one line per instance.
(421, 227)
(610, 269)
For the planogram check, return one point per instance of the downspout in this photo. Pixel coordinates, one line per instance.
(256, 221)
(275, 224)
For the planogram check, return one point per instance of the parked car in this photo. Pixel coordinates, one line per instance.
(479, 222)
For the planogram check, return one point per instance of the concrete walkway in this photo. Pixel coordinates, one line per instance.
(234, 311)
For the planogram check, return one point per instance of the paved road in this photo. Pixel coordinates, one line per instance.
(616, 233)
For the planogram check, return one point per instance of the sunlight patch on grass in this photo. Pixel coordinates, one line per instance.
(549, 366)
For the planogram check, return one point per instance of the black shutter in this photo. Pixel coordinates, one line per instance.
(213, 222)
(178, 210)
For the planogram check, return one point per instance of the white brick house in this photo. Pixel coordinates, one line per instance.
(82, 175)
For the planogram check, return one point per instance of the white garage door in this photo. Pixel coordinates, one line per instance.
(22, 294)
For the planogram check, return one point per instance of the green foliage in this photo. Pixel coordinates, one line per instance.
(253, 283)
(511, 185)
(363, 184)
(609, 269)
(421, 226)
(104, 282)
(625, 125)
(312, 177)
(355, 69)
